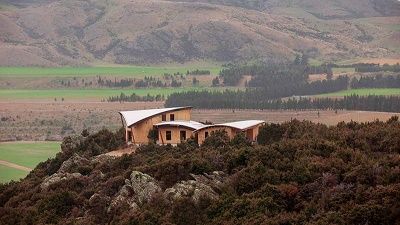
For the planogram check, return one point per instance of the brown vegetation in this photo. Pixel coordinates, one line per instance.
(301, 173)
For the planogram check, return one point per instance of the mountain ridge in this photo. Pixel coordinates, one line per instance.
(54, 33)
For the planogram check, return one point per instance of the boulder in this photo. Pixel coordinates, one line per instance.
(144, 186)
(56, 178)
(202, 186)
(137, 190)
(70, 165)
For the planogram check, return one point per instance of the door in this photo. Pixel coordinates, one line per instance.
(182, 135)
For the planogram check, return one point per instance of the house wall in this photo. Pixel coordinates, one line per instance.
(141, 130)
(201, 134)
(251, 133)
(175, 135)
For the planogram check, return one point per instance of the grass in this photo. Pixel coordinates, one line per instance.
(125, 71)
(27, 154)
(8, 174)
(343, 70)
(88, 94)
(364, 92)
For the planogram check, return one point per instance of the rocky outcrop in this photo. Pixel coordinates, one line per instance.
(58, 177)
(137, 190)
(69, 166)
(140, 188)
(203, 186)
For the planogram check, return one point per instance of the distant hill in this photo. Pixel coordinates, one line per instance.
(72, 32)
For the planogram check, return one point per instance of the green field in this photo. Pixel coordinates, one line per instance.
(364, 92)
(27, 154)
(88, 94)
(343, 70)
(7, 174)
(126, 71)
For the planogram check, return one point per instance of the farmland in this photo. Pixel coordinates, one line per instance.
(87, 94)
(364, 92)
(123, 71)
(23, 154)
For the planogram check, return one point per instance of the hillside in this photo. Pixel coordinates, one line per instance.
(73, 32)
(300, 173)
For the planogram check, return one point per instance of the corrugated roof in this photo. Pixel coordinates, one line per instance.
(240, 125)
(190, 124)
(132, 117)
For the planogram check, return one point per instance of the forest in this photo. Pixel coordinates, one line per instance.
(272, 84)
(298, 173)
(249, 100)
(135, 98)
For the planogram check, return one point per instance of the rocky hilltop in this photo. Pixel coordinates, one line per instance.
(298, 173)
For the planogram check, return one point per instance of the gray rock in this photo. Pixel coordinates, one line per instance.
(202, 186)
(75, 161)
(144, 186)
(137, 190)
(56, 178)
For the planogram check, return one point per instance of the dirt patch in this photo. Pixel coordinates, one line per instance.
(121, 152)
(15, 166)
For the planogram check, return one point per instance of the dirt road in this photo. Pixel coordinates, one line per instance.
(15, 166)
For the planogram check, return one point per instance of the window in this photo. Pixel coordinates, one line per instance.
(206, 134)
(183, 135)
(171, 117)
(168, 135)
(164, 117)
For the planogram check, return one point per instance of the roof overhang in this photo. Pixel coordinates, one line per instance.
(239, 125)
(192, 125)
(131, 118)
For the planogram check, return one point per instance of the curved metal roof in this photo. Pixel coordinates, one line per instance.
(240, 125)
(177, 123)
(133, 117)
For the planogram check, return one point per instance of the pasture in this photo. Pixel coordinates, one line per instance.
(88, 94)
(363, 92)
(123, 71)
(25, 155)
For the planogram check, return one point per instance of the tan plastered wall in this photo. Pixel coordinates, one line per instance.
(250, 133)
(202, 133)
(175, 135)
(141, 130)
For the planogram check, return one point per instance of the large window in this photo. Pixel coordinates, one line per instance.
(183, 135)
(164, 117)
(206, 134)
(171, 117)
(168, 135)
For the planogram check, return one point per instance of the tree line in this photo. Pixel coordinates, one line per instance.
(136, 98)
(249, 100)
(378, 81)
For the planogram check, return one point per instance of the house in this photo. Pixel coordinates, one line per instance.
(249, 127)
(174, 125)
(173, 132)
(138, 123)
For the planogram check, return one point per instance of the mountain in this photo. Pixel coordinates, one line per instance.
(76, 32)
